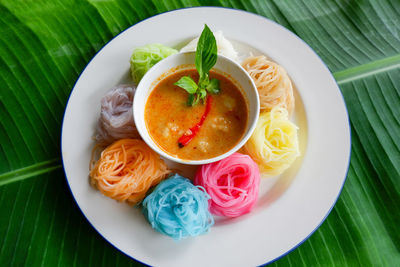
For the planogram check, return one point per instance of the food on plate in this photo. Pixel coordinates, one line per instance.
(145, 57)
(170, 122)
(225, 47)
(126, 169)
(215, 116)
(272, 82)
(194, 113)
(178, 209)
(232, 184)
(274, 142)
(116, 118)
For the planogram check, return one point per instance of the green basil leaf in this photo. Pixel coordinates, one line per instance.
(206, 52)
(188, 84)
(196, 99)
(213, 86)
(190, 100)
(202, 94)
(203, 81)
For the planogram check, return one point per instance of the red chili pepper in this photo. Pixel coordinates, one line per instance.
(191, 133)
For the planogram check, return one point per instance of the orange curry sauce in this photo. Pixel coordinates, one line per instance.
(168, 117)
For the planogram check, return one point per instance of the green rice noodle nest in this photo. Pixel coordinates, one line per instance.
(145, 57)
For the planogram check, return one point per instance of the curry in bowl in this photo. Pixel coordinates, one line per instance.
(203, 131)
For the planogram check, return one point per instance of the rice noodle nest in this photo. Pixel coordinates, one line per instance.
(274, 142)
(178, 209)
(126, 170)
(232, 184)
(273, 83)
(116, 115)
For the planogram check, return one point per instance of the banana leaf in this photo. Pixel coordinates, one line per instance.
(44, 45)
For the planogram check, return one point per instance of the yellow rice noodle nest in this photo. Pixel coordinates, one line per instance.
(272, 82)
(274, 143)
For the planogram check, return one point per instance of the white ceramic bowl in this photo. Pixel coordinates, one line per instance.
(186, 60)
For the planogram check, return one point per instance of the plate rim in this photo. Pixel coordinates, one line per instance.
(230, 10)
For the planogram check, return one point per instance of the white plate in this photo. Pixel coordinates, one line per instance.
(290, 208)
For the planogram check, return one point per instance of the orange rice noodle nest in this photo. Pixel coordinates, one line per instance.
(272, 82)
(126, 170)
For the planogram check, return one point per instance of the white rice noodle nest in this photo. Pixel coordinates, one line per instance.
(224, 46)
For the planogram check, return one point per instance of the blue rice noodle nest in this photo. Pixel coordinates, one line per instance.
(178, 209)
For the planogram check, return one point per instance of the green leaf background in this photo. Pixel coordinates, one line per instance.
(44, 45)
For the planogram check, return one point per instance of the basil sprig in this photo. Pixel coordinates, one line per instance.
(206, 57)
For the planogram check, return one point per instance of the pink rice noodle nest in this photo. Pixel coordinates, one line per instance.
(232, 184)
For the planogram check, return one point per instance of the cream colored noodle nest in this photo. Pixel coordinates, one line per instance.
(272, 82)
